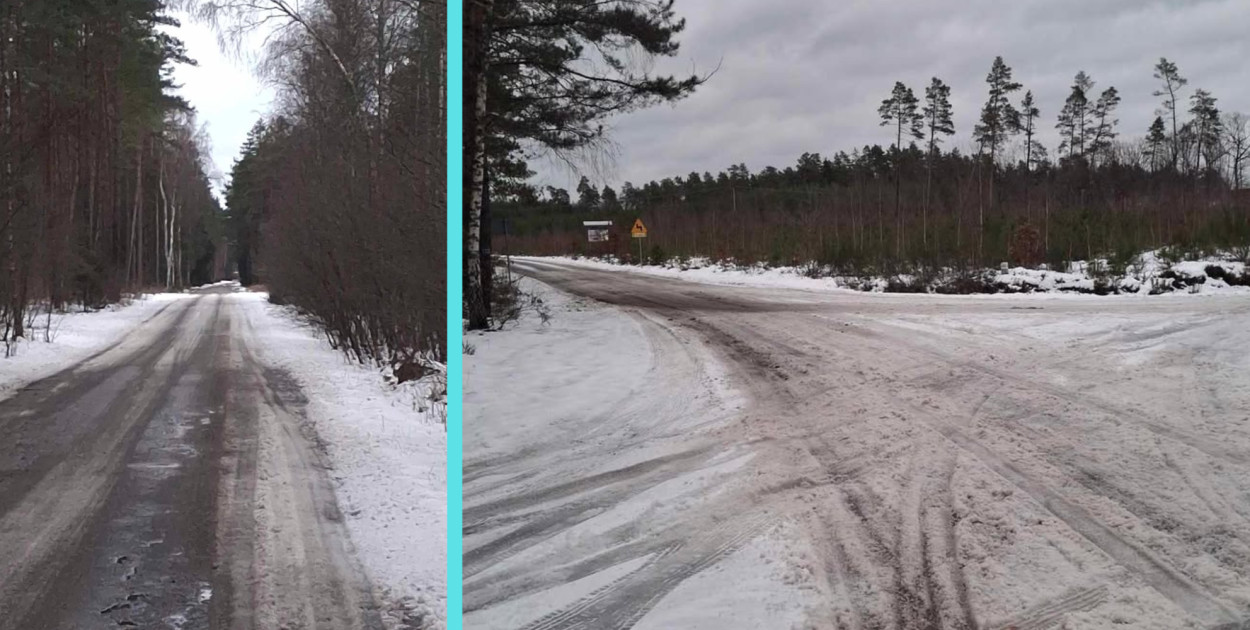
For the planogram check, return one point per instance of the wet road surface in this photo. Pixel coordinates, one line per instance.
(168, 482)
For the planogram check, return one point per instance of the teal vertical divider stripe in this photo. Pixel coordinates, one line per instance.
(455, 328)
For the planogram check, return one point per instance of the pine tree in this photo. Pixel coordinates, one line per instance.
(1167, 72)
(1206, 126)
(900, 110)
(938, 118)
(587, 195)
(609, 200)
(1029, 114)
(1074, 117)
(1103, 122)
(999, 120)
(1156, 141)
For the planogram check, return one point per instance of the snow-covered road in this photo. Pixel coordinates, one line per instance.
(213, 464)
(701, 456)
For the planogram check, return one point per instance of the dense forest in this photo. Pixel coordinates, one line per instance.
(338, 201)
(103, 189)
(912, 204)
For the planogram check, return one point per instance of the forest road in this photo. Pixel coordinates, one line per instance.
(168, 482)
(932, 461)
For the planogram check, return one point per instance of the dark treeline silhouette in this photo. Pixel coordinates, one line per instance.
(888, 208)
(102, 187)
(338, 203)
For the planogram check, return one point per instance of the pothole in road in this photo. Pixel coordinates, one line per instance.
(129, 602)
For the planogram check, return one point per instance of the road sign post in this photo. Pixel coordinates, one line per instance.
(639, 232)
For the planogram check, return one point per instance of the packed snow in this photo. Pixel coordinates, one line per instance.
(55, 341)
(811, 458)
(575, 394)
(388, 449)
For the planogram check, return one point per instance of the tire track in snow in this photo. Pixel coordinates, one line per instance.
(1066, 455)
(762, 343)
(1156, 572)
(1048, 614)
(1212, 448)
(1159, 575)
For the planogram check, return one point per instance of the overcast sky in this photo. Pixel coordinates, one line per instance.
(227, 96)
(808, 75)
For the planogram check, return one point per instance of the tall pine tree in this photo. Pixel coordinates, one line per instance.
(900, 111)
(939, 120)
(1167, 72)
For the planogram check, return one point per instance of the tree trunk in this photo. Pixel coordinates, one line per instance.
(131, 247)
(477, 31)
(487, 237)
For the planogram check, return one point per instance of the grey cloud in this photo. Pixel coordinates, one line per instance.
(807, 75)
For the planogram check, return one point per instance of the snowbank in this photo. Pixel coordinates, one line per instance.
(388, 450)
(1148, 275)
(587, 353)
(74, 336)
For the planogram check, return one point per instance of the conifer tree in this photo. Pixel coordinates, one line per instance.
(1029, 114)
(1206, 126)
(587, 195)
(1102, 122)
(999, 120)
(1167, 72)
(900, 110)
(1156, 143)
(938, 118)
(1074, 117)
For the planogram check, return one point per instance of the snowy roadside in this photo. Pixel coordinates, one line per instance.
(1150, 275)
(74, 337)
(388, 450)
(586, 351)
(591, 448)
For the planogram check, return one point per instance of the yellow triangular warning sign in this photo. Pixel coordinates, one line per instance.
(639, 230)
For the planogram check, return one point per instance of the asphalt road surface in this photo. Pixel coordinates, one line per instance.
(166, 482)
(926, 461)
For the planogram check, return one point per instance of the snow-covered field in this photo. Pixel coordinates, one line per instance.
(701, 456)
(1150, 274)
(74, 337)
(388, 449)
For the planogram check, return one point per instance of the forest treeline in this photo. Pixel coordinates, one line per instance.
(913, 204)
(103, 187)
(338, 201)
